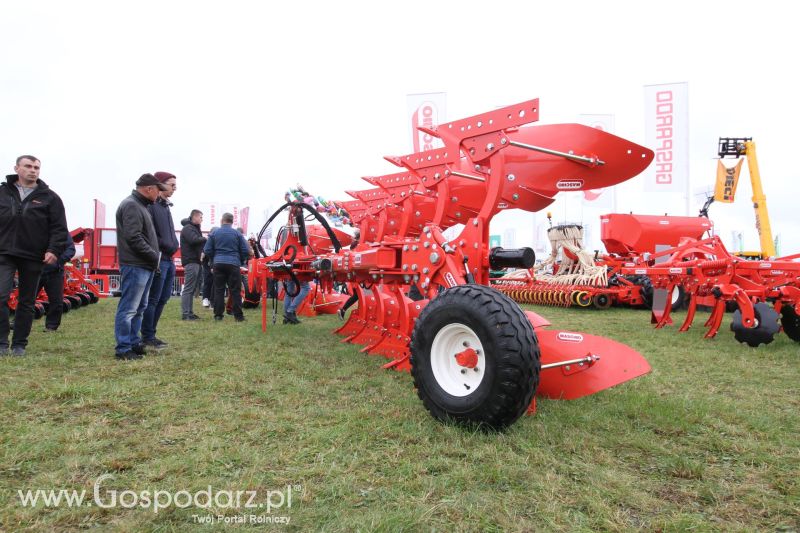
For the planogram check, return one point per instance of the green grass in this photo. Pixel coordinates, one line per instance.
(707, 441)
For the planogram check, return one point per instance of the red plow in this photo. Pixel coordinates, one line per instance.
(423, 300)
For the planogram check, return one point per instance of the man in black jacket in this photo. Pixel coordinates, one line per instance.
(161, 288)
(137, 247)
(192, 242)
(52, 281)
(33, 233)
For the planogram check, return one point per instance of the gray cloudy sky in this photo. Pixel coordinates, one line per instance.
(241, 99)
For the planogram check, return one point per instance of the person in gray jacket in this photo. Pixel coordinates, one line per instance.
(192, 242)
(137, 246)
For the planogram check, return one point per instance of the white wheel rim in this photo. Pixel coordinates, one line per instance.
(455, 379)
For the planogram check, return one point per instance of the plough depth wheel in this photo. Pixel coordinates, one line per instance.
(475, 357)
(763, 332)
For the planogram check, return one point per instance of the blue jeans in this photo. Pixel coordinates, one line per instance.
(290, 304)
(160, 291)
(135, 287)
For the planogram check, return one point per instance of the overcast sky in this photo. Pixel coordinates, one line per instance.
(241, 99)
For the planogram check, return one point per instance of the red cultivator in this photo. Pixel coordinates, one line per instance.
(423, 302)
(706, 270)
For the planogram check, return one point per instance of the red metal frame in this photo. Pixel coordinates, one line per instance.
(705, 269)
(488, 164)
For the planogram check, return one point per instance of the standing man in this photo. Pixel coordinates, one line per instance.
(227, 251)
(137, 246)
(52, 281)
(161, 288)
(192, 242)
(33, 233)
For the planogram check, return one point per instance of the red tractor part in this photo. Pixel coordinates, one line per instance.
(626, 235)
(423, 303)
(706, 270)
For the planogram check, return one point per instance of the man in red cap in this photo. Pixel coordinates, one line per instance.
(161, 288)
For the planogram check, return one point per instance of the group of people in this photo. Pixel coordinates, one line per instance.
(35, 243)
(146, 244)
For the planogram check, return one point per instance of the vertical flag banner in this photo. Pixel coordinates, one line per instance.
(426, 109)
(666, 115)
(727, 180)
(600, 198)
(99, 214)
(211, 214)
(244, 217)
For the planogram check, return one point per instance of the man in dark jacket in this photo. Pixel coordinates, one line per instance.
(161, 288)
(52, 281)
(33, 232)
(192, 242)
(227, 251)
(137, 246)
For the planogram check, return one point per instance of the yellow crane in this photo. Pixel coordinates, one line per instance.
(725, 189)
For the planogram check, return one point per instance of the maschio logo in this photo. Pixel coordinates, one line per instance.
(570, 337)
(426, 116)
(569, 185)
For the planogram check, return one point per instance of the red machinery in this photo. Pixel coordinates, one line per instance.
(625, 236)
(706, 269)
(475, 356)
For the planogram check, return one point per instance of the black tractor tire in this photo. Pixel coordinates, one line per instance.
(38, 310)
(765, 329)
(85, 300)
(790, 322)
(250, 300)
(66, 305)
(646, 291)
(499, 389)
(93, 298)
(678, 294)
(601, 301)
(74, 300)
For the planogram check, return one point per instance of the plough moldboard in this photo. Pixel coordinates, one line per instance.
(423, 301)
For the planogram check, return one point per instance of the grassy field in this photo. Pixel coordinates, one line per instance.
(708, 441)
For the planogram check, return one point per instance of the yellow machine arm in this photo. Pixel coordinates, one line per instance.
(737, 147)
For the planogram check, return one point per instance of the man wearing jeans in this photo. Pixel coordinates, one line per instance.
(192, 242)
(33, 233)
(291, 303)
(227, 251)
(161, 288)
(137, 246)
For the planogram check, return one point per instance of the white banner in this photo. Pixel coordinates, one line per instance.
(666, 115)
(599, 198)
(213, 211)
(427, 109)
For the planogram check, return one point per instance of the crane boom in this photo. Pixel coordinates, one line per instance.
(744, 146)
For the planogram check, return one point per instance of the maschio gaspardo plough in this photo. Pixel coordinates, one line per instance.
(423, 300)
